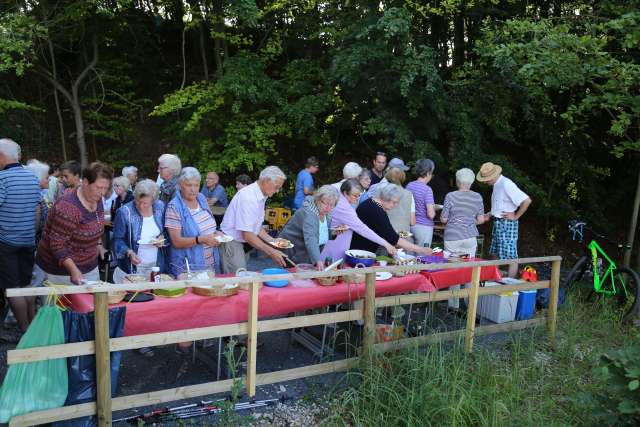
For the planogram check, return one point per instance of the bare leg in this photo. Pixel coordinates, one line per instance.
(31, 308)
(20, 311)
(513, 269)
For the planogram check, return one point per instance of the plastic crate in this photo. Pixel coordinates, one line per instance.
(526, 308)
(277, 217)
(499, 308)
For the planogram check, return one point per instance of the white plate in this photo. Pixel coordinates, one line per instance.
(383, 275)
(224, 238)
(405, 234)
(151, 242)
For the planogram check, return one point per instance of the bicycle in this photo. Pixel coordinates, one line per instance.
(608, 279)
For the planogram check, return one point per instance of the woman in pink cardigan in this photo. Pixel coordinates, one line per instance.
(344, 214)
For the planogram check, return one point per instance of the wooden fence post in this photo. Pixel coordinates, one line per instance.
(103, 358)
(252, 339)
(369, 315)
(552, 314)
(472, 309)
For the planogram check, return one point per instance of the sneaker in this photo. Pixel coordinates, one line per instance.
(146, 351)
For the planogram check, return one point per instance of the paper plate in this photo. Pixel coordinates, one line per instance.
(224, 239)
(281, 247)
(383, 275)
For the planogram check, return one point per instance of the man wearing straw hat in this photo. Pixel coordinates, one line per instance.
(508, 204)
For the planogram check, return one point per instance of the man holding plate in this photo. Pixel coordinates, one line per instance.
(243, 222)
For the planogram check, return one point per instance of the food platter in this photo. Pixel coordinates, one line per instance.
(216, 290)
(282, 244)
(405, 234)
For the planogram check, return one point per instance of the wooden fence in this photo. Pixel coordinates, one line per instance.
(103, 345)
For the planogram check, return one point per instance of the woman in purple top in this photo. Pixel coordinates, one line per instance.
(344, 214)
(425, 207)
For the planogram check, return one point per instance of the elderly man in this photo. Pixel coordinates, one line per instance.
(169, 167)
(379, 164)
(19, 199)
(508, 204)
(350, 170)
(213, 191)
(131, 173)
(243, 221)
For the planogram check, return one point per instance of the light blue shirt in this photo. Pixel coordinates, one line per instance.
(323, 232)
(303, 180)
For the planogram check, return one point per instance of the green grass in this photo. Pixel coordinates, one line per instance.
(519, 382)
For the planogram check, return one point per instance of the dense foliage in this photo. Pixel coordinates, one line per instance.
(549, 89)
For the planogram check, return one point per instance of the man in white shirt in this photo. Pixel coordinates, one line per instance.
(508, 204)
(243, 221)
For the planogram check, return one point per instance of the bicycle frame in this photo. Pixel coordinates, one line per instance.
(603, 282)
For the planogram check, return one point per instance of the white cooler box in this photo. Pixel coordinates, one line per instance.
(499, 308)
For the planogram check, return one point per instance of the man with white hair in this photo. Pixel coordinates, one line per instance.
(350, 170)
(19, 198)
(131, 173)
(243, 221)
(169, 167)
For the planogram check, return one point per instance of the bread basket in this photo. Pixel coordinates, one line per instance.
(355, 277)
(327, 281)
(215, 290)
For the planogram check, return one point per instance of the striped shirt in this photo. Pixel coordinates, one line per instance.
(72, 231)
(19, 196)
(205, 222)
(461, 209)
(423, 196)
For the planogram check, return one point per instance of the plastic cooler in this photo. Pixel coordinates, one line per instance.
(526, 308)
(499, 308)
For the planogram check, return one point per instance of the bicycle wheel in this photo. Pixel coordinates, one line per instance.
(576, 273)
(627, 285)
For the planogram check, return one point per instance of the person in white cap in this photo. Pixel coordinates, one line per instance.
(508, 204)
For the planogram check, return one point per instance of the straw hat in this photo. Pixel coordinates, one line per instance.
(488, 171)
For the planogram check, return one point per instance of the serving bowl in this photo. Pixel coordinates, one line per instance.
(275, 283)
(354, 257)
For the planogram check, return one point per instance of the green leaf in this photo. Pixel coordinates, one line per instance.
(633, 385)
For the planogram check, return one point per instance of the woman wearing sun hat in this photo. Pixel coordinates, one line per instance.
(508, 204)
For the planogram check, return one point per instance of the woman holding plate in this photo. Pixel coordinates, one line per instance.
(137, 234)
(308, 229)
(191, 227)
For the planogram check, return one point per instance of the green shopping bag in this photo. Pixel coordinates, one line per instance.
(36, 386)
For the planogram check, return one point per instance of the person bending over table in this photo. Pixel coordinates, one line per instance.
(373, 212)
(344, 215)
(191, 227)
(462, 210)
(308, 229)
(243, 222)
(139, 220)
(68, 252)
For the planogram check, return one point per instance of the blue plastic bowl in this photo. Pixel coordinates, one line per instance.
(353, 257)
(275, 283)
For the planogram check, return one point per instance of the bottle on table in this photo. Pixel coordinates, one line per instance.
(155, 274)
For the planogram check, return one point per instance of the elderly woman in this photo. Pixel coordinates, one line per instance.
(462, 211)
(131, 173)
(139, 223)
(169, 167)
(373, 212)
(123, 195)
(344, 214)
(403, 216)
(191, 226)
(424, 202)
(308, 229)
(68, 252)
(41, 171)
(350, 170)
(365, 182)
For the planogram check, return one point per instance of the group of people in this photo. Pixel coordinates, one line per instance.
(52, 220)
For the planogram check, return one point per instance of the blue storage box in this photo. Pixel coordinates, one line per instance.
(526, 307)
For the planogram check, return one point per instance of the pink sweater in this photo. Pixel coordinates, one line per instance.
(345, 214)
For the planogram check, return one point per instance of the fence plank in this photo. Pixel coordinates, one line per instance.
(472, 309)
(103, 358)
(369, 315)
(252, 339)
(553, 301)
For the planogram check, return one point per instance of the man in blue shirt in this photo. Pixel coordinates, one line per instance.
(214, 192)
(19, 210)
(304, 181)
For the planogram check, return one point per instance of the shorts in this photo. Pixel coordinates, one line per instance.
(16, 266)
(504, 238)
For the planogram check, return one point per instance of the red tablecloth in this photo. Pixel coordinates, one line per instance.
(194, 311)
(446, 278)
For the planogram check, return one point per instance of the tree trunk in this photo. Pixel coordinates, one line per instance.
(458, 40)
(632, 227)
(54, 72)
(203, 51)
(218, 41)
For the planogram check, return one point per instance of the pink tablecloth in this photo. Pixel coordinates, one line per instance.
(194, 311)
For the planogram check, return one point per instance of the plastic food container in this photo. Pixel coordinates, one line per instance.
(275, 283)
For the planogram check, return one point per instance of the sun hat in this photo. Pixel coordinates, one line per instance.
(398, 163)
(488, 171)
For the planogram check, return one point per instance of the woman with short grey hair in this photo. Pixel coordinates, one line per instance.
(169, 167)
(373, 213)
(146, 188)
(424, 201)
(189, 173)
(123, 195)
(131, 173)
(309, 228)
(462, 211)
